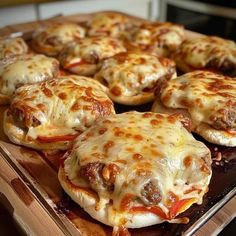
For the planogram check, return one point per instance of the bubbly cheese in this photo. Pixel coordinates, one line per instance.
(144, 147)
(26, 69)
(89, 50)
(62, 106)
(209, 98)
(129, 74)
(50, 40)
(110, 24)
(12, 47)
(160, 35)
(204, 52)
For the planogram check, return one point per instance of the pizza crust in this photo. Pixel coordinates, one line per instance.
(85, 70)
(88, 202)
(215, 136)
(132, 100)
(18, 136)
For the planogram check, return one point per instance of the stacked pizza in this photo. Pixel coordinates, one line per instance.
(133, 169)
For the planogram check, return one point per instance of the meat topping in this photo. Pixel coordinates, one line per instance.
(100, 176)
(150, 194)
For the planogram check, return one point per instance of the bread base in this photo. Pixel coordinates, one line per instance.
(85, 70)
(89, 201)
(132, 100)
(18, 136)
(215, 136)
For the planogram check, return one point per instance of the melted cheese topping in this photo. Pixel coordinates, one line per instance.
(109, 24)
(61, 106)
(209, 98)
(161, 35)
(206, 52)
(51, 40)
(144, 147)
(12, 47)
(128, 74)
(90, 50)
(26, 69)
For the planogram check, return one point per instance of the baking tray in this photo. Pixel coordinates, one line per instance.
(39, 173)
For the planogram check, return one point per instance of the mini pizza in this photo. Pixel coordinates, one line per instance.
(50, 40)
(133, 170)
(50, 114)
(131, 77)
(159, 38)
(83, 56)
(26, 69)
(211, 53)
(108, 24)
(11, 47)
(208, 99)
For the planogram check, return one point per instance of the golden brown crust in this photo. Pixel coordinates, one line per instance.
(18, 136)
(220, 137)
(134, 100)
